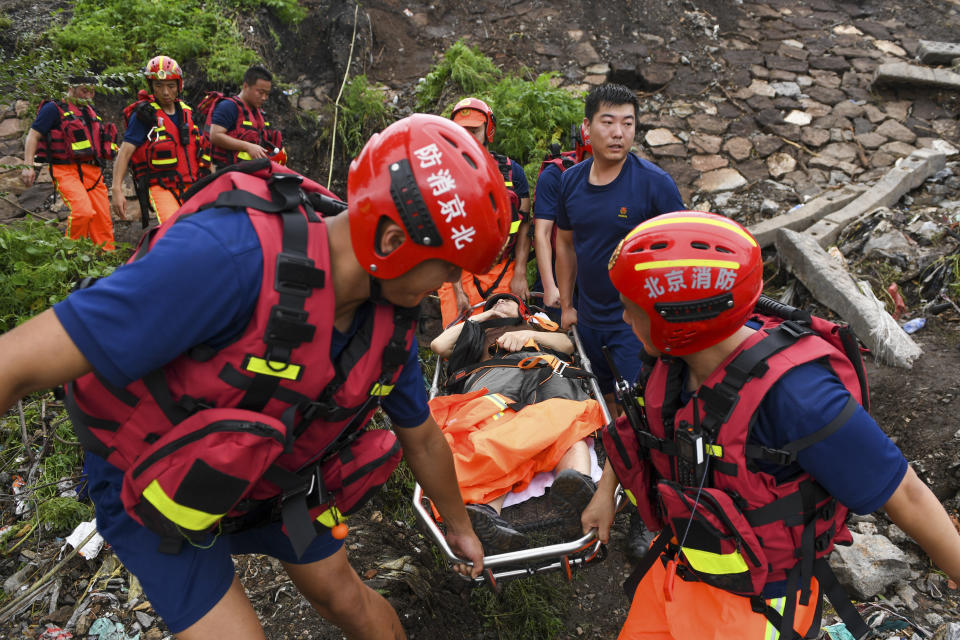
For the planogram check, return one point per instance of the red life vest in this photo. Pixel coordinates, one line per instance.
(279, 369)
(694, 473)
(172, 156)
(80, 136)
(249, 127)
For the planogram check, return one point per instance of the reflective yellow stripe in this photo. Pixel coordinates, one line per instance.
(514, 226)
(630, 497)
(243, 155)
(730, 226)
(266, 124)
(273, 368)
(247, 123)
(666, 264)
(496, 400)
(164, 162)
(508, 184)
(77, 146)
(778, 605)
(641, 402)
(188, 518)
(715, 563)
(205, 157)
(331, 517)
(381, 389)
(714, 450)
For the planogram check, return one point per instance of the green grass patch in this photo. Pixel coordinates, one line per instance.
(526, 609)
(363, 112)
(39, 267)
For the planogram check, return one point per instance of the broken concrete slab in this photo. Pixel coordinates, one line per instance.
(931, 52)
(909, 174)
(832, 286)
(911, 74)
(803, 216)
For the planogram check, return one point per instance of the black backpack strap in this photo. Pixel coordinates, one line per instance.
(721, 399)
(652, 555)
(788, 453)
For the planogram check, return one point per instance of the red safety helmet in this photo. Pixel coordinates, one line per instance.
(473, 112)
(696, 275)
(164, 68)
(581, 141)
(431, 177)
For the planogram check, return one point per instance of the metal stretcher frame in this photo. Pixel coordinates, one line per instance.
(536, 559)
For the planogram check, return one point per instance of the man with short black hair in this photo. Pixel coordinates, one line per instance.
(239, 129)
(601, 199)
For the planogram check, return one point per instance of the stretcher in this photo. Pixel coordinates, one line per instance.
(549, 550)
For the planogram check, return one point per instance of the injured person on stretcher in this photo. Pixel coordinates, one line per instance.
(516, 410)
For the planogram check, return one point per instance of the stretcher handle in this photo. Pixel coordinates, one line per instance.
(594, 385)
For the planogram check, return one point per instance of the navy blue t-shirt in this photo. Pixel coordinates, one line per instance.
(548, 193)
(520, 184)
(225, 114)
(47, 118)
(600, 216)
(198, 285)
(137, 131)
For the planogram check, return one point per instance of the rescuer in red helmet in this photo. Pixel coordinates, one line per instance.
(510, 274)
(222, 380)
(751, 447)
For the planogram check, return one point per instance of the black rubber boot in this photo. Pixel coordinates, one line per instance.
(570, 493)
(495, 533)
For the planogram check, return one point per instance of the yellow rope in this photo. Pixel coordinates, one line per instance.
(336, 105)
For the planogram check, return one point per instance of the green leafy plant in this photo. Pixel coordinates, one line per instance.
(288, 11)
(363, 112)
(462, 70)
(39, 267)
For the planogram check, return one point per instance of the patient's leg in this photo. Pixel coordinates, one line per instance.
(577, 458)
(573, 489)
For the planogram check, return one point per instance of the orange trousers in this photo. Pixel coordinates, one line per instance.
(448, 298)
(164, 201)
(85, 194)
(701, 612)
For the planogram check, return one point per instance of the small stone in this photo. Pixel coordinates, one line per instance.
(738, 147)
(798, 117)
(889, 47)
(898, 148)
(601, 68)
(145, 619)
(11, 127)
(896, 131)
(585, 53)
(670, 151)
(779, 164)
(847, 30)
(769, 207)
(873, 113)
(870, 140)
(721, 180)
(814, 137)
(765, 145)
(789, 89)
(706, 163)
(705, 143)
(847, 109)
(660, 137)
(707, 124)
(761, 88)
(897, 110)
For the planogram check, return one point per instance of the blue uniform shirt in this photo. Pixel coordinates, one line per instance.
(548, 193)
(47, 118)
(137, 131)
(198, 285)
(225, 114)
(520, 184)
(600, 216)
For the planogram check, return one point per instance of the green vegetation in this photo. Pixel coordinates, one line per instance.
(531, 113)
(39, 267)
(363, 112)
(111, 40)
(528, 609)
(462, 69)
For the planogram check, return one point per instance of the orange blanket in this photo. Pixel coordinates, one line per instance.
(497, 449)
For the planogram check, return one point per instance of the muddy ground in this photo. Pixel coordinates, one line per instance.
(397, 42)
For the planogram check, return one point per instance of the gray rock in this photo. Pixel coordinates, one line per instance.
(769, 206)
(721, 180)
(869, 566)
(707, 124)
(814, 137)
(18, 580)
(933, 619)
(931, 52)
(765, 145)
(145, 619)
(896, 534)
(871, 140)
(904, 73)
(949, 631)
(705, 143)
(780, 164)
(659, 137)
(898, 148)
(738, 147)
(908, 594)
(896, 131)
(789, 89)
